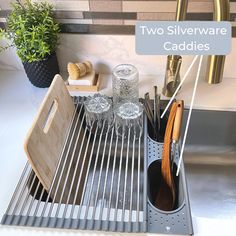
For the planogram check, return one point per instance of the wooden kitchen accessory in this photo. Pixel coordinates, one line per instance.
(47, 136)
(86, 88)
(78, 70)
(82, 77)
(177, 128)
(166, 195)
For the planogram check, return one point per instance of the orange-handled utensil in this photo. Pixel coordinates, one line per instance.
(166, 196)
(177, 127)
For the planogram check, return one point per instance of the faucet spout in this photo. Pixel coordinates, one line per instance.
(181, 10)
(215, 64)
(172, 77)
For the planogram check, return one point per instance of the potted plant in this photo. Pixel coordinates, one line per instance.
(31, 28)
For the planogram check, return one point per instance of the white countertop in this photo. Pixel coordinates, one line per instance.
(19, 102)
(220, 97)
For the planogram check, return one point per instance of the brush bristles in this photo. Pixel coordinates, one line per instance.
(78, 70)
(73, 71)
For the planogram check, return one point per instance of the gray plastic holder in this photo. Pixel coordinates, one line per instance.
(179, 220)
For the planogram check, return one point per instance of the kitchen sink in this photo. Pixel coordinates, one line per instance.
(210, 164)
(209, 159)
(101, 183)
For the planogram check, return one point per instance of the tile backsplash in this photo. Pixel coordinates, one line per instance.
(104, 32)
(98, 16)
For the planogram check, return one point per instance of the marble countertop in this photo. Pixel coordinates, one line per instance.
(219, 97)
(19, 102)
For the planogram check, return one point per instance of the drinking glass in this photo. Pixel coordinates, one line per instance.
(99, 113)
(125, 84)
(129, 120)
(127, 109)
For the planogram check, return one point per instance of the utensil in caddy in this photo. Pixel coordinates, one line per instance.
(179, 220)
(114, 193)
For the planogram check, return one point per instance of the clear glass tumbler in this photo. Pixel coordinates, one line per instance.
(125, 80)
(129, 120)
(99, 113)
(127, 109)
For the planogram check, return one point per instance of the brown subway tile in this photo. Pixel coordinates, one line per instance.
(150, 6)
(171, 0)
(156, 16)
(105, 6)
(196, 6)
(233, 7)
(206, 7)
(200, 1)
(108, 6)
(80, 5)
(98, 29)
(4, 13)
(5, 4)
(108, 22)
(110, 15)
(2, 25)
(199, 7)
(69, 14)
(75, 21)
(199, 16)
(130, 22)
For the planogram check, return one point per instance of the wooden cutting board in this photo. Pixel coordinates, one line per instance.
(45, 139)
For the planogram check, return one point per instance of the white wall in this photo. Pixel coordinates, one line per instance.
(106, 51)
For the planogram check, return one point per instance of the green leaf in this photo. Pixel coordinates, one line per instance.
(32, 28)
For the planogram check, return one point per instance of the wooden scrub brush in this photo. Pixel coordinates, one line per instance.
(78, 70)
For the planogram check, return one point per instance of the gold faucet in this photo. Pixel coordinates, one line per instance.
(215, 66)
(172, 76)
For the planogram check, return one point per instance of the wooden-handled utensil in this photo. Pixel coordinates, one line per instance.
(166, 195)
(177, 126)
